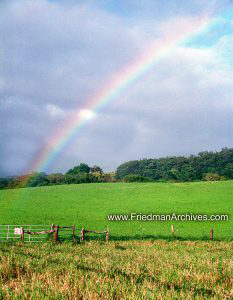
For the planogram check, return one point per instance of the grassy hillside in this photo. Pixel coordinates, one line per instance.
(87, 205)
(123, 270)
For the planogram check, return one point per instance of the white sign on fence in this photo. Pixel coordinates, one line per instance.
(18, 230)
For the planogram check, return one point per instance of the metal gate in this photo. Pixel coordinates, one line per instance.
(8, 233)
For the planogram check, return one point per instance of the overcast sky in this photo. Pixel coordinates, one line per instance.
(55, 54)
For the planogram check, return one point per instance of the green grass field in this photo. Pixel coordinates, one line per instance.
(141, 260)
(87, 205)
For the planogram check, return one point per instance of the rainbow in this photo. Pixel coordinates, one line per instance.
(172, 38)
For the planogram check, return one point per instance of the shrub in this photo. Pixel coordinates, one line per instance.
(38, 179)
(213, 177)
(135, 178)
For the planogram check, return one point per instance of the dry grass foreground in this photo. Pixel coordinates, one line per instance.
(117, 270)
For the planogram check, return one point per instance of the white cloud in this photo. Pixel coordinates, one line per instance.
(54, 110)
(224, 50)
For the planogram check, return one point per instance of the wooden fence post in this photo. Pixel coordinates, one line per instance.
(56, 234)
(52, 227)
(22, 235)
(211, 234)
(73, 232)
(172, 230)
(107, 235)
(82, 232)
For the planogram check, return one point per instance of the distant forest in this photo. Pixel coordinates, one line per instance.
(206, 165)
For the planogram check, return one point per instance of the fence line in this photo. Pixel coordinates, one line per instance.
(39, 233)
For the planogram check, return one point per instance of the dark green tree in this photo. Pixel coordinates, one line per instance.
(82, 168)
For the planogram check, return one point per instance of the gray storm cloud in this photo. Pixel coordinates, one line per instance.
(55, 56)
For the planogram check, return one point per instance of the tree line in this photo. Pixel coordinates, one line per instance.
(79, 174)
(206, 165)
